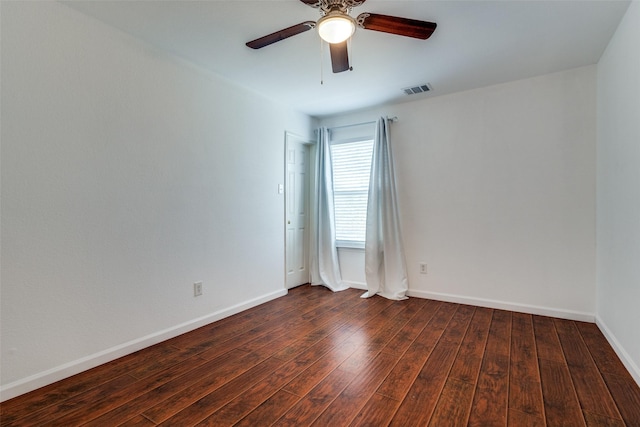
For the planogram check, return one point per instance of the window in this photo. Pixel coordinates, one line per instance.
(351, 162)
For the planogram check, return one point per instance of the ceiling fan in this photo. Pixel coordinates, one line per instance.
(335, 26)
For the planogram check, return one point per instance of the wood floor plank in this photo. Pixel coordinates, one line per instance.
(356, 318)
(216, 339)
(235, 324)
(159, 394)
(314, 356)
(121, 397)
(350, 340)
(76, 406)
(490, 401)
(68, 388)
(309, 368)
(428, 385)
(603, 355)
(358, 361)
(307, 409)
(595, 420)
(405, 337)
(159, 364)
(295, 335)
(454, 404)
(592, 391)
(205, 406)
(467, 364)
(561, 404)
(235, 365)
(525, 390)
(211, 345)
(316, 372)
(547, 343)
(263, 333)
(378, 330)
(521, 419)
(255, 396)
(348, 403)
(258, 397)
(627, 395)
(378, 411)
(269, 411)
(138, 421)
(398, 382)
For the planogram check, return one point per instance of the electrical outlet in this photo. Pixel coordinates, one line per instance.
(197, 289)
(423, 268)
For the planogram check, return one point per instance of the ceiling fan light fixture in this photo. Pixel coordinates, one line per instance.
(336, 27)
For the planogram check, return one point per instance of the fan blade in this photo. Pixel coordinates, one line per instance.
(345, 4)
(312, 3)
(281, 35)
(339, 57)
(395, 25)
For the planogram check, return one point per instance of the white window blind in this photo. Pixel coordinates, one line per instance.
(351, 168)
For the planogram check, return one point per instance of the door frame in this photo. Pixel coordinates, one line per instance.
(291, 137)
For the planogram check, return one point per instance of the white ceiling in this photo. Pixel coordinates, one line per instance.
(477, 43)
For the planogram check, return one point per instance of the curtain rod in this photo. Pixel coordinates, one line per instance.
(391, 119)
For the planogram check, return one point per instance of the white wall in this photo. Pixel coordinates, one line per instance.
(497, 193)
(127, 175)
(618, 226)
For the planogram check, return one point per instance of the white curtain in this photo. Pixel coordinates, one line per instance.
(385, 266)
(325, 269)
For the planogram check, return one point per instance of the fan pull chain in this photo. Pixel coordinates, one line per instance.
(321, 61)
(350, 53)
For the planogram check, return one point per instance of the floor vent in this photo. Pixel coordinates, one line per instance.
(426, 87)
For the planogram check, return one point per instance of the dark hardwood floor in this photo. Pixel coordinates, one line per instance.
(318, 358)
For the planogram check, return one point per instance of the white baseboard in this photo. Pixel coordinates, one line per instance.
(58, 373)
(356, 285)
(503, 305)
(628, 363)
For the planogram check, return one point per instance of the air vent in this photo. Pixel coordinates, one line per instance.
(426, 87)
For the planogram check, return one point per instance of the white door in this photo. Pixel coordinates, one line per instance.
(297, 211)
